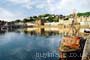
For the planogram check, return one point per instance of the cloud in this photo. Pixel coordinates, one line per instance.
(19, 1)
(8, 15)
(79, 5)
(54, 6)
(41, 6)
(23, 3)
(67, 6)
(32, 7)
(4, 14)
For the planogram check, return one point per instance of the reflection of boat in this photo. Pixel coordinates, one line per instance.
(87, 30)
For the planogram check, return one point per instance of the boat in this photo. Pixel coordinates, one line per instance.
(71, 46)
(87, 30)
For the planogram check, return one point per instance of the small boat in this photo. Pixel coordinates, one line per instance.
(87, 30)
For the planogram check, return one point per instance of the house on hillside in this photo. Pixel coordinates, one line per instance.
(39, 22)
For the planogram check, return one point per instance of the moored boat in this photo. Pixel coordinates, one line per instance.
(87, 30)
(71, 47)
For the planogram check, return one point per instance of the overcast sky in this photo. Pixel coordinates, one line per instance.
(18, 9)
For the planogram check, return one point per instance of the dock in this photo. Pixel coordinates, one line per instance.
(86, 51)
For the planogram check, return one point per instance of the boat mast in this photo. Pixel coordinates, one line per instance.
(74, 21)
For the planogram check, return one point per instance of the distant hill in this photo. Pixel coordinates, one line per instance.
(84, 14)
(49, 17)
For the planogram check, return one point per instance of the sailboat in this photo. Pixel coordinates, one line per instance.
(71, 46)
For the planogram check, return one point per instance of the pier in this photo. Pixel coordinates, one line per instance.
(86, 51)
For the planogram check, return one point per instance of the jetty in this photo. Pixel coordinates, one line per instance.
(86, 51)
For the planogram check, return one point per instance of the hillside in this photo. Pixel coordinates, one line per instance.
(84, 14)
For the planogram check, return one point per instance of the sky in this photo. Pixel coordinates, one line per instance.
(18, 9)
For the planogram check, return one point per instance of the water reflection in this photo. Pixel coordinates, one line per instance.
(41, 31)
(24, 44)
(48, 31)
(2, 32)
(31, 44)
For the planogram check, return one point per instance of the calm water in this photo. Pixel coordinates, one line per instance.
(29, 46)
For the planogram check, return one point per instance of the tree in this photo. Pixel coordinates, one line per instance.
(84, 14)
(26, 20)
(17, 21)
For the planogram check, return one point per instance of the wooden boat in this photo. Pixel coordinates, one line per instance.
(71, 47)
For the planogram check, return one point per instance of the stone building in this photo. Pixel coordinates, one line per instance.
(39, 22)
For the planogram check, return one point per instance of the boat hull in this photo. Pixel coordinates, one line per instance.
(73, 54)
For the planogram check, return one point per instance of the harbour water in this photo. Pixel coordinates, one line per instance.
(23, 45)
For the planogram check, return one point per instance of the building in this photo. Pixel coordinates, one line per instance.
(29, 24)
(84, 21)
(65, 22)
(39, 22)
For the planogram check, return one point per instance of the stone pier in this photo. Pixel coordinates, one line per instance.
(86, 52)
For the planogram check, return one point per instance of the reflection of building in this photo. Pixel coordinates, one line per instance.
(40, 31)
(52, 24)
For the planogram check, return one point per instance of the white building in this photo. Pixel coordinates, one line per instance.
(30, 24)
